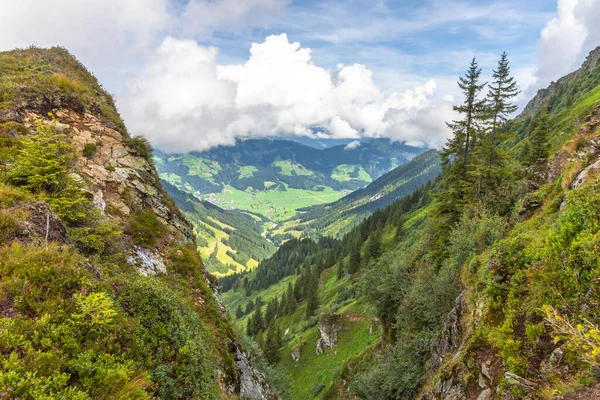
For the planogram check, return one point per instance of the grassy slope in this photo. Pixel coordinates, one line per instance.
(315, 373)
(215, 226)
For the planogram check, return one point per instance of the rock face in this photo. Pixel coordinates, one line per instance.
(329, 326)
(297, 354)
(252, 384)
(450, 337)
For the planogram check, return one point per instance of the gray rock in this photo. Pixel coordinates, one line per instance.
(253, 384)
(296, 354)
(487, 394)
(147, 262)
(516, 380)
(329, 326)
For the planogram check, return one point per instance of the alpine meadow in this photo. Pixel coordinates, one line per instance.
(286, 199)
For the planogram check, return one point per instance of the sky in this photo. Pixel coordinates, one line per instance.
(193, 74)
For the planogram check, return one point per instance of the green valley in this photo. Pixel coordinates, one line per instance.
(449, 291)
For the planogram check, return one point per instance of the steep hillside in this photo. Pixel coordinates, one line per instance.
(229, 241)
(483, 285)
(102, 292)
(337, 218)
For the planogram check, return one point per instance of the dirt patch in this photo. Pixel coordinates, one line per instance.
(584, 394)
(355, 316)
(7, 306)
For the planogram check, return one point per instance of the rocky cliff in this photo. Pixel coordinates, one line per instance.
(120, 225)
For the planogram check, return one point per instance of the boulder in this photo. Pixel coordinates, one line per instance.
(329, 327)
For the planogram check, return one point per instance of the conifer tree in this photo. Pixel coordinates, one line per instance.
(457, 154)
(259, 322)
(354, 263)
(373, 250)
(291, 299)
(239, 313)
(538, 151)
(340, 267)
(272, 345)
(490, 169)
(249, 307)
(312, 296)
(271, 311)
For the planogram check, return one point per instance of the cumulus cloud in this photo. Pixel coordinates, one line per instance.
(352, 145)
(183, 100)
(112, 37)
(567, 39)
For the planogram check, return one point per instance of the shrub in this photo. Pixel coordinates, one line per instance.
(171, 338)
(141, 147)
(145, 228)
(89, 150)
(95, 239)
(42, 166)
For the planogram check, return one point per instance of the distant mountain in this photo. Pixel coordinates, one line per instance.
(266, 164)
(229, 241)
(337, 218)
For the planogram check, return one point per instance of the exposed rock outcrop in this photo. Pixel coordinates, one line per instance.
(252, 384)
(329, 327)
(451, 335)
(296, 354)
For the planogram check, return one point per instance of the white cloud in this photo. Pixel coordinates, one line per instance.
(112, 37)
(183, 100)
(567, 39)
(352, 145)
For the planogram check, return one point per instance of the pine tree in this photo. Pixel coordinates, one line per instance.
(354, 263)
(239, 313)
(249, 307)
(340, 267)
(490, 169)
(312, 296)
(272, 345)
(373, 250)
(259, 322)
(538, 153)
(271, 311)
(291, 299)
(457, 154)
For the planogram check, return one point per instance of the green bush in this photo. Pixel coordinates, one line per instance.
(171, 339)
(141, 147)
(42, 167)
(96, 239)
(145, 228)
(89, 150)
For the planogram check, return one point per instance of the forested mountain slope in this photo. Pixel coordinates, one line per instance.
(252, 162)
(102, 292)
(229, 241)
(482, 285)
(339, 217)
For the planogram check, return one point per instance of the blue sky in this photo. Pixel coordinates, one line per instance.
(191, 74)
(399, 39)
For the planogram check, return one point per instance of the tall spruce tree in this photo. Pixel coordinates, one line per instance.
(538, 149)
(490, 169)
(272, 345)
(373, 250)
(271, 311)
(312, 296)
(354, 263)
(457, 154)
(340, 267)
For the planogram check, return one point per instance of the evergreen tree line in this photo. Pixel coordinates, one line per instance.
(477, 166)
